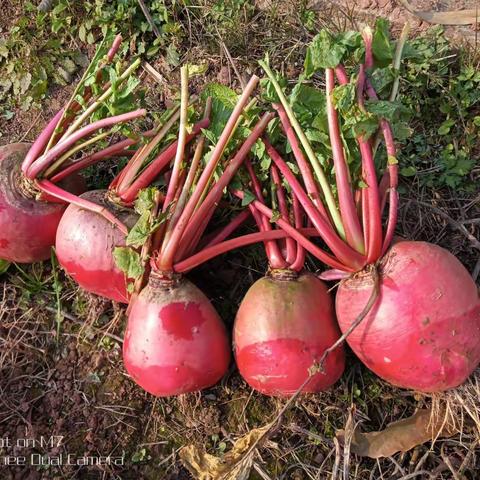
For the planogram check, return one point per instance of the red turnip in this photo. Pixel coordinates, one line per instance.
(424, 331)
(85, 242)
(283, 326)
(286, 321)
(175, 341)
(27, 225)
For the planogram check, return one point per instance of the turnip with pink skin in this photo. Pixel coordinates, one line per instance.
(286, 321)
(175, 341)
(86, 240)
(283, 326)
(424, 331)
(27, 225)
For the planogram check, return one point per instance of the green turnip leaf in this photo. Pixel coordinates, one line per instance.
(382, 47)
(128, 261)
(323, 52)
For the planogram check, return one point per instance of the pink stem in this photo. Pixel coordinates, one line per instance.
(365, 216)
(111, 151)
(340, 249)
(367, 40)
(192, 175)
(187, 186)
(132, 168)
(383, 189)
(393, 174)
(272, 249)
(187, 249)
(192, 246)
(341, 74)
(358, 201)
(181, 143)
(353, 230)
(157, 165)
(39, 165)
(299, 262)
(303, 165)
(41, 142)
(190, 222)
(296, 235)
(73, 106)
(199, 221)
(291, 250)
(180, 183)
(392, 219)
(207, 173)
(114, 48)
(57, 192)
(374, 243)
(215, 250)
(114, 182)
(259, 220)
(224, 232)
(333, 275)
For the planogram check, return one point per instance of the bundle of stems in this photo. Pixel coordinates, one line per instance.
(71, 130)
(287, 253)
(193, 194)
(147, 161)
(350, 224)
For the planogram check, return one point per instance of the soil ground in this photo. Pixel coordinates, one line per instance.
(66, 382)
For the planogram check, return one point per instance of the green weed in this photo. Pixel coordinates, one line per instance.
(441, 87)
(43, 48)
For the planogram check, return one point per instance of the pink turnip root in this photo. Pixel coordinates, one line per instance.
(86, 240)
(285, 322)
(84, 244)
(424, 331)
(283, 326)
(27, 225)
(175, 341)
(97, 223)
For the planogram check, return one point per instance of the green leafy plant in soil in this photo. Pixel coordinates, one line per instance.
(441, 88)
(228, 20)
(44, 48)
